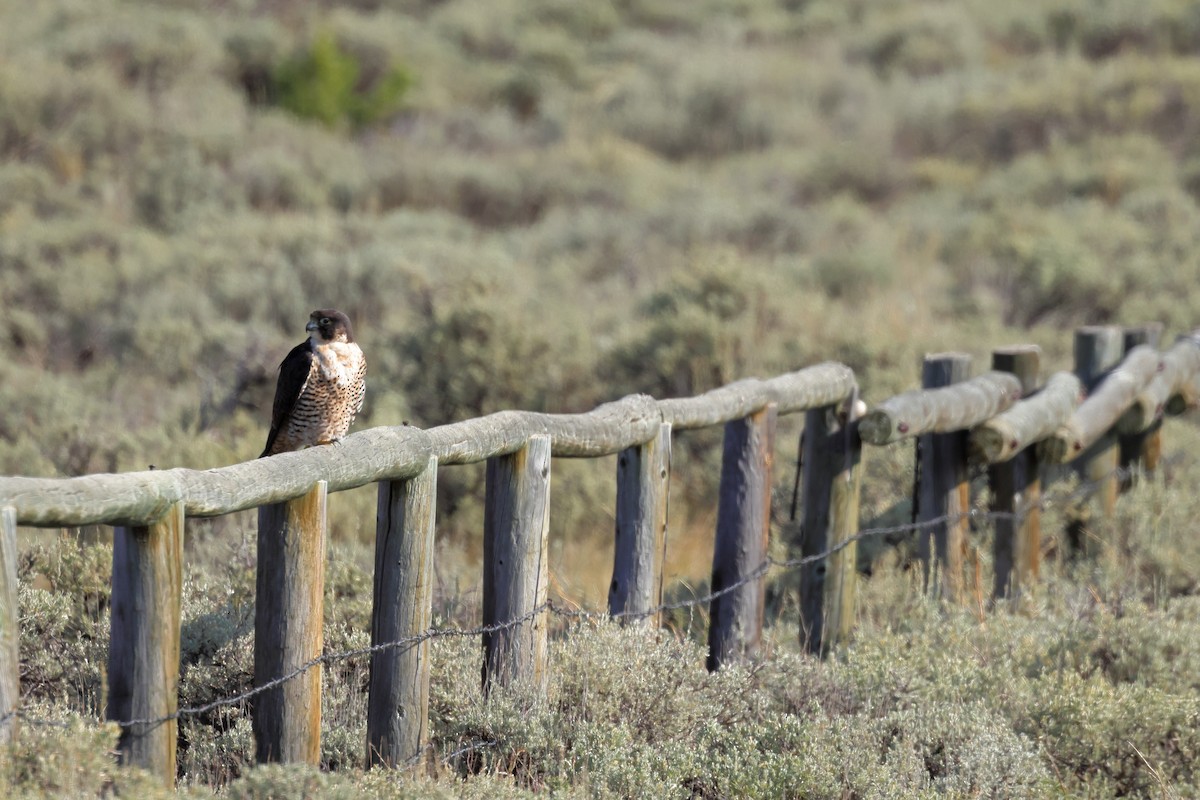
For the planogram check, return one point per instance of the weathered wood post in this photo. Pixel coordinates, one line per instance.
(515, 569)
(1016, 490)
(398, 704)
(943, 496)
(1098, 349)
(1143, 447)
(743, 525)
(831, 484)
(288, 619)
(643, 487)
(10, 635)
(143, 653)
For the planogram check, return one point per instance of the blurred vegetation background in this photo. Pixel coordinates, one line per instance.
(547, 204)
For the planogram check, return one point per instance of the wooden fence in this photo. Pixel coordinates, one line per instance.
(1004, 418)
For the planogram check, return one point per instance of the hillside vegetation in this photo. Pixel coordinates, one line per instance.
(547, 204)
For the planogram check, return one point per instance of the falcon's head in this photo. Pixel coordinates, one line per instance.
(329, 325)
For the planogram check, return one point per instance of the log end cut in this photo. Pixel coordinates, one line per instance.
(880, 427)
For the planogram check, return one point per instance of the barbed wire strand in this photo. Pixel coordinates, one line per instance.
(1079, 493)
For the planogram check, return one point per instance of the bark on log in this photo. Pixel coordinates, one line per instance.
(1180, 365)
(397, 453)
(139, 498)
(1098, 353)
(841, 579)
(643, 488)
(1015, 485)
(952, 408)
(1187, 394)
(402, 608)
(607, 429)
(743, 517)
(1103, 407)
(10, 634)
(515, 568)
(943, 492)
(832, 479)
(143, 653)
(1187, 398)
(1027, 422)
(288, 628)
(1141, 448)
(811, 387)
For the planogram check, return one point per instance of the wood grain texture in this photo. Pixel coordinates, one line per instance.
(1098, 352)
(1114, 392)
(831, 483)
(1028, 421)
(1139, 429)
(943, 489)
(515, 569)
(10, 634)
(808, 388)
(842, 578)
(143, 653)
(743, 525)
(607, 429)
(963, 405)
(398, 703)
(1014, 480)
(288, 627)
(396, 453)
(1180, 366)
(1187, 393)
(643, 489)
(138, 498)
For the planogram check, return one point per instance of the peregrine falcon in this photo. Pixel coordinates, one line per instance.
(321, 386)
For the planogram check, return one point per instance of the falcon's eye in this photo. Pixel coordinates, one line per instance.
(324, 320)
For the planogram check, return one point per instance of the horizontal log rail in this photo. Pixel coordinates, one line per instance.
(1029, 421)
(1129, 395)
(951, 408)
(1098, 413)
(1187, 393)
(816, 386)
(1180, 366)
(400, 452)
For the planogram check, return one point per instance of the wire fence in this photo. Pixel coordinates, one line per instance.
(1078, 494)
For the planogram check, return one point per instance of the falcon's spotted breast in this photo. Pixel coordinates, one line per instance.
(321, 386)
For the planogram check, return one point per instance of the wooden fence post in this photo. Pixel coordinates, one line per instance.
(1145, 447)
(10, 635)
(1016, 490)
(1098, 349)
(943, 496)
(832, 479)
(398, 704)
(643, 488)
(743, 525)
(143, 653)
(515, 571)
(288, 618)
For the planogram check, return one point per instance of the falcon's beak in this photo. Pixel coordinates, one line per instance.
(311, 326)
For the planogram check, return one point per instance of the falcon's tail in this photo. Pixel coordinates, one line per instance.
(271, 437)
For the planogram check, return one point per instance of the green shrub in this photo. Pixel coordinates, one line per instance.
(698, 333)
(324, 82)
(1047, 264)
(920, 40)
(64, 598)
(71, 757)
(693, 109)
(576, 201)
